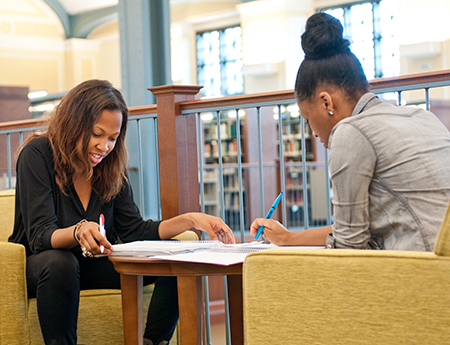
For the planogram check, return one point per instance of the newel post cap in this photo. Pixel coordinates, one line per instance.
(175, 90)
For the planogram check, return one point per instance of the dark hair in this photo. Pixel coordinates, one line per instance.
(75, 117)
(328, 60)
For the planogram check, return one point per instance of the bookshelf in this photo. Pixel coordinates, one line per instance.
(228, 139)
(291, 141)
(229, 145)
(292, 152)
(211, 191)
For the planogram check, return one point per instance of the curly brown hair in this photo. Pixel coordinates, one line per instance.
(74, 117)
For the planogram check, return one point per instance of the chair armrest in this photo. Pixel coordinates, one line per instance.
(186, 236)
(346, 297)
(13, 294)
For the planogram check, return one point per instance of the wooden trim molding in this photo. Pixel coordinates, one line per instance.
(142, 110)
(10, 125)
(410, 79)
(238, 100)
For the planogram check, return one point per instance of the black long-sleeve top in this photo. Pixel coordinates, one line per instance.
(41, 207)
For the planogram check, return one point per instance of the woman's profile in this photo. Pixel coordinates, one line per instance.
(388, 164)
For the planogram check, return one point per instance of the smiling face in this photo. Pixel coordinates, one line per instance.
(103, 138)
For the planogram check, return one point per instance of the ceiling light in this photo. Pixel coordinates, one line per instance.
(232, 113)
(207, 116)
(37, 94)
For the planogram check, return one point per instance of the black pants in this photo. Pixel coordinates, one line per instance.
(55, 277)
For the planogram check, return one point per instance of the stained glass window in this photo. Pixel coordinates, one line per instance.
(370, 27)
(219, 62)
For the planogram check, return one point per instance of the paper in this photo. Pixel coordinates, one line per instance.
(147, 248)
(225, 255)
(208, 252)
(206, 257)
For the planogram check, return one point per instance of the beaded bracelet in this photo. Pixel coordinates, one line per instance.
(75, 229)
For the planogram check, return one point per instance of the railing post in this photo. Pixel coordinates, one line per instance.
(178, 158)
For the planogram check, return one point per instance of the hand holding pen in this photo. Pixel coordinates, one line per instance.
(92, 237)
(269, 214)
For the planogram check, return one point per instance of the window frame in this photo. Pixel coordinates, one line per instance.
(376, 29)
(222, 61)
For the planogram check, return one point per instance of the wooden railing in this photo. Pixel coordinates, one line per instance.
(410, 82)
(177, 127)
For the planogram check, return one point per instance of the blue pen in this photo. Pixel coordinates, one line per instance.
(269, 214)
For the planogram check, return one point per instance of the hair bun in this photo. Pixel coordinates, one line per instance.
(323, 37)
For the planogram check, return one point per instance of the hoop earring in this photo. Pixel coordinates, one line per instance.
(330, 113)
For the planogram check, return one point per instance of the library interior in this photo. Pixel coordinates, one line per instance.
(247, 140)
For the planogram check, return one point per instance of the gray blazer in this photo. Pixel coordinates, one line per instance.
(390, 174)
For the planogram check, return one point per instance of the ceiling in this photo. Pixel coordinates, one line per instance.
(73, 7)
(80, 17)
(79, 6)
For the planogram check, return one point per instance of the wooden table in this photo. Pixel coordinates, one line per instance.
(190, 297)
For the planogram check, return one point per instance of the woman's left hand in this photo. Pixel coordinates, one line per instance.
(213, 226)
(274, 231)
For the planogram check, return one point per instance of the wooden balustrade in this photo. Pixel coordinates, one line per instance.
(177, 137)
(30, 123)
(410, 80)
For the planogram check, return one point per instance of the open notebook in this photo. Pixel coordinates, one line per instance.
(210, 252)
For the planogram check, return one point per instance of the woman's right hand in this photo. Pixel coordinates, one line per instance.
(274, 231)
(90, 238)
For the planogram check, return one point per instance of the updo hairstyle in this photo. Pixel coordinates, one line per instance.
(328, 60)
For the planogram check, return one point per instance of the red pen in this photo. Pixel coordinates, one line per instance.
(102, 231)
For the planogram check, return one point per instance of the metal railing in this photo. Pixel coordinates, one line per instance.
(242, 166)
(17, 131)
(220, 107)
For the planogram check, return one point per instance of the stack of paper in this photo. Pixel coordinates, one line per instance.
(224, 254)
(209, 252)
(149, 248)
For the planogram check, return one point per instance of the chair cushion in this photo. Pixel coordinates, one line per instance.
(7, 205)
(346, 297)
(442, 245)
(13, 294)
(100, 310)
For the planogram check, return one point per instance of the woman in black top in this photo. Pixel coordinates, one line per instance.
(66, 178)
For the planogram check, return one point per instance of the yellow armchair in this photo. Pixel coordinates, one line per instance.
(348, 296)
(19, 322)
